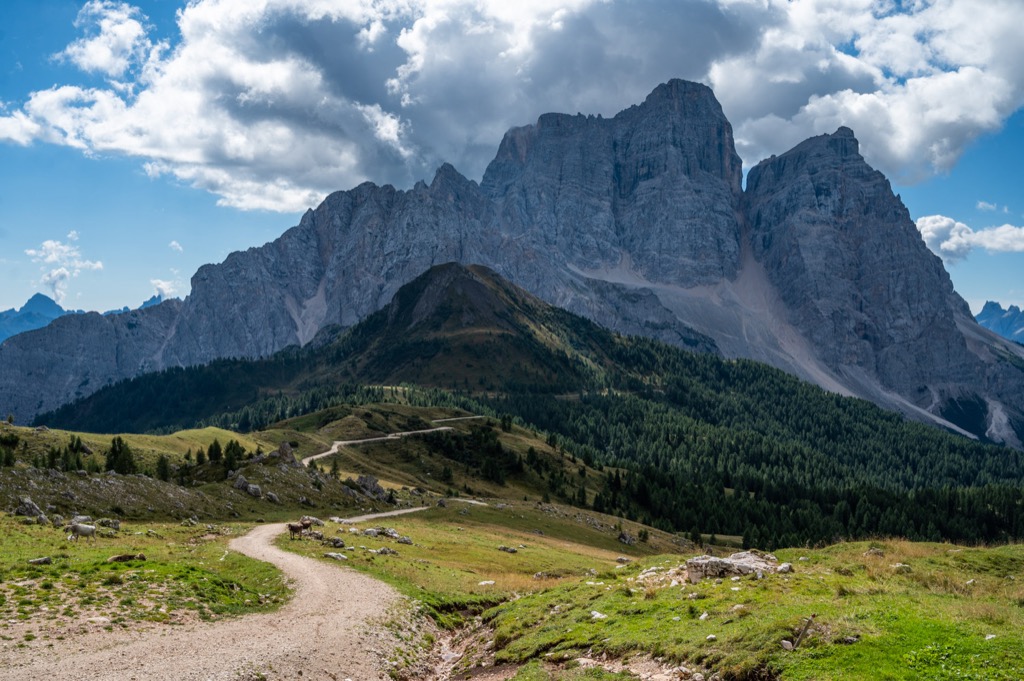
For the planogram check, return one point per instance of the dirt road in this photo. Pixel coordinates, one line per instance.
(324, 632)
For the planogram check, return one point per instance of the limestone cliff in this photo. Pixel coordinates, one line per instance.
(638, 222)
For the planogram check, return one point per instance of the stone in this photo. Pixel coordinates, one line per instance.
(254, 491)
(404, 540)
(241, 483)
(507, 549)
(336, 556)
(711, 638)
(81, 520)
(736, 565)
(112, 523)
(27, 507)
(626, 538)
(45, 560)
(272, 498)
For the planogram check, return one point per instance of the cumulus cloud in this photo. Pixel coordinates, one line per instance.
(270, 104)
(164, 289)
(175, 246)
(61, 262)
(115, 39)
(953, 241)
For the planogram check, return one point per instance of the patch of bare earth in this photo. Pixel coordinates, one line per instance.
(331, 629)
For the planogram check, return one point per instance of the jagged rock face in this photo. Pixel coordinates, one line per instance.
(851, 267)
(637, 222)
(858, 280)
(658, 186)
(77, 355)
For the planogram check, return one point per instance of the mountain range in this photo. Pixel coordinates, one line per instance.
(638, 222)
(1008, 323)
(39, 311)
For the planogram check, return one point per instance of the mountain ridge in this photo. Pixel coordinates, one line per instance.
(1008, 323)
(637, 222)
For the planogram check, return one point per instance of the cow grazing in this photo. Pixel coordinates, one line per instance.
(295, 529)
(77, 530)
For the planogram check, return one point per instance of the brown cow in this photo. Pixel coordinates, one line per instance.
(295, 529)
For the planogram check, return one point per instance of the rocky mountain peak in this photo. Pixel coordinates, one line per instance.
(42, 305)
(1008, 323)
(638, 222)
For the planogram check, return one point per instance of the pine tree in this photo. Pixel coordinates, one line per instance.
(163, 468)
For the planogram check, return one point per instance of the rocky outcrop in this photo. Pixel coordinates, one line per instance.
(860, 285)
(740, 564)
(1008, 323)
(638, 222)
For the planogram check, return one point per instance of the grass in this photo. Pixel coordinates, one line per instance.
(454, 566)
(187, 573)
(873, 621)
(146, 448)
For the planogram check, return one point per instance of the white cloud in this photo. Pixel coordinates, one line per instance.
(175, 246)
(61, 263)
(985, 205)
(116, 38)
(164, 289)
(953, 241)
(271, 104)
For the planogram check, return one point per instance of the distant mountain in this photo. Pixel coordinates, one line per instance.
(638, 222)
(1008, 323)
(39, 311)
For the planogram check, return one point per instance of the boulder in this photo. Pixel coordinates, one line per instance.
(254, 491)
(241, 483)
(27, 507)
(738, 564)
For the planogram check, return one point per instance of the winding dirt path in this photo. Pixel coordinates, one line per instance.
(389, 436)
(324, 632)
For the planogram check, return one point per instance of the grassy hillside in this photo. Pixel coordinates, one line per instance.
(883, 610)
(187, 574)
(888, 610)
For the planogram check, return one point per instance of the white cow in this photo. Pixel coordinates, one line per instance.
(80, 530)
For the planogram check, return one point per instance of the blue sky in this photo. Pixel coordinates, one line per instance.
(139, 140)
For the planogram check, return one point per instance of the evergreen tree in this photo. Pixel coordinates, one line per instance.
(214, 452)
(120, 458)
(163, 468)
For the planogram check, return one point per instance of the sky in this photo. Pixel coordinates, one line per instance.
(142, 139)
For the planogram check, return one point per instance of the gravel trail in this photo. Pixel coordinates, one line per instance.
(326, 631)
